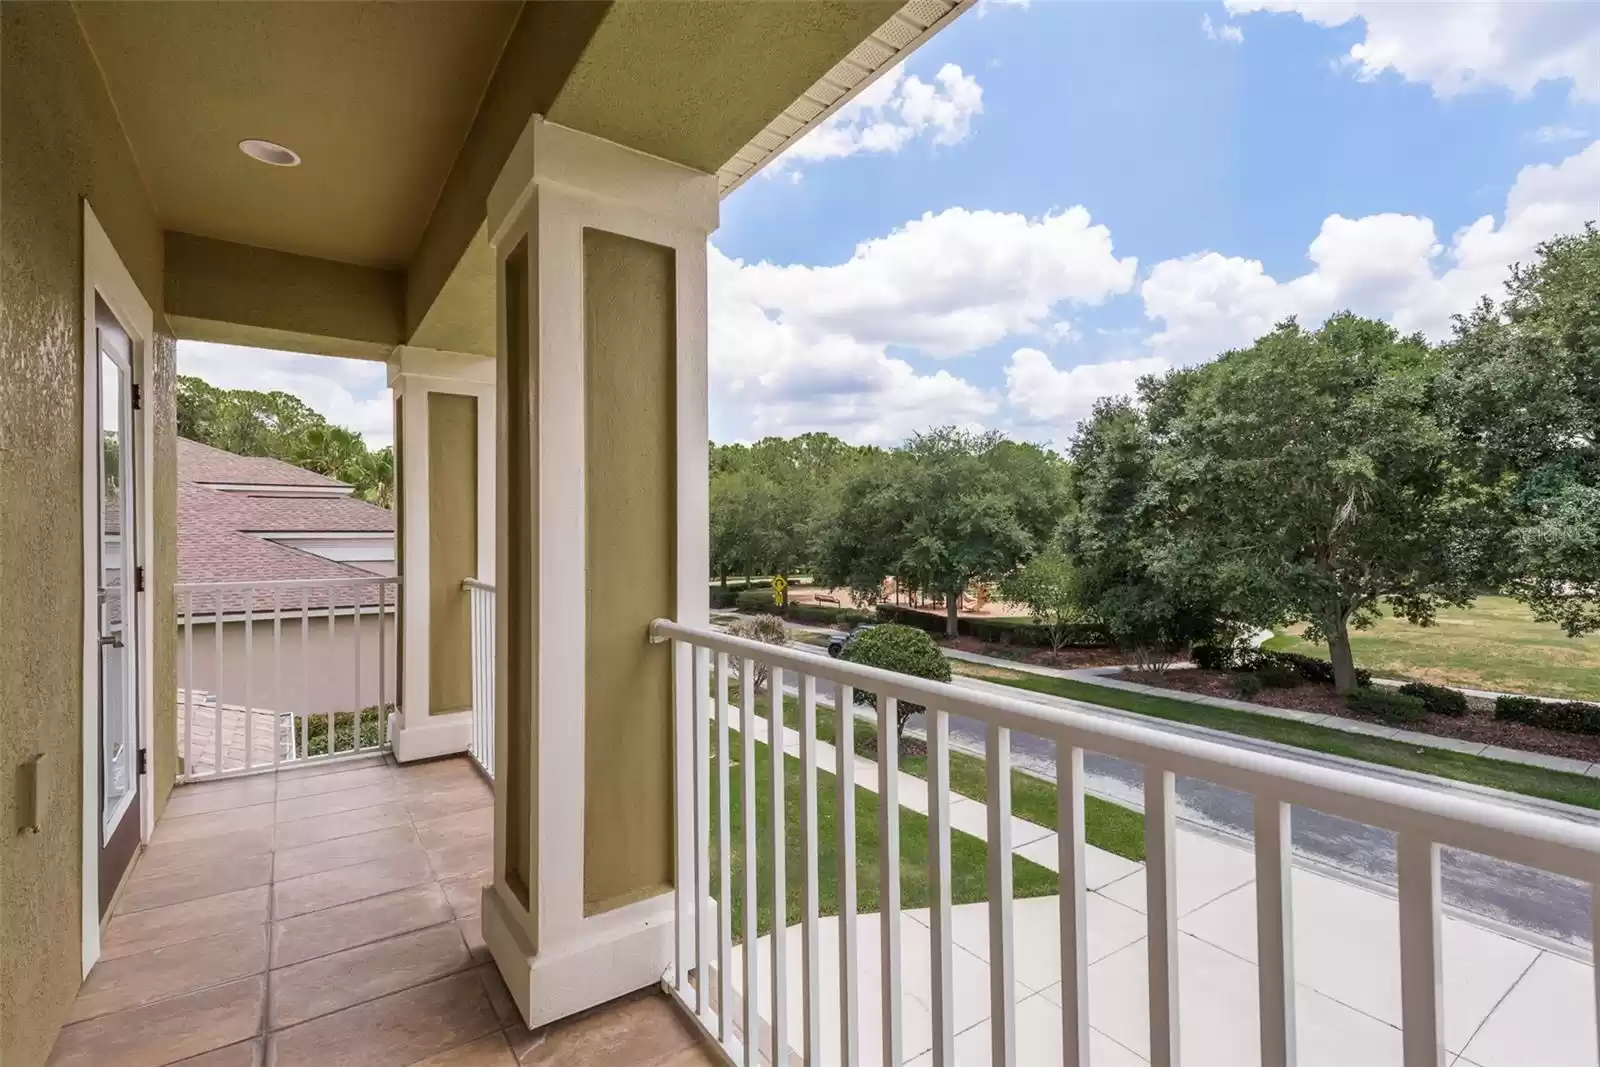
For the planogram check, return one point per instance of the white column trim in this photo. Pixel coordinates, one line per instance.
(105, 275)
(557, 183)
(414, 374)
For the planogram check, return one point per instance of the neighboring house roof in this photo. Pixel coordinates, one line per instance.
(219, 534)
(202, 463)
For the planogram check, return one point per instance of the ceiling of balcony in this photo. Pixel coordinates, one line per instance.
(376, 98)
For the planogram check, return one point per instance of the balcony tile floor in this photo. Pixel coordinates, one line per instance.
(329, 916)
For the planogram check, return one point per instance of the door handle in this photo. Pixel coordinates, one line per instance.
(111, 640)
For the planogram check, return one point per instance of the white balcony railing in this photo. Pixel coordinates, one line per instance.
(279, 673)
(483, 631)
(1423, 820)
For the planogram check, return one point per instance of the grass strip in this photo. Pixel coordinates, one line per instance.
(1457, 766)
(969, 857)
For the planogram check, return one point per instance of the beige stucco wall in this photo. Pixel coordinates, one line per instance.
(630, 547)
(329, 663)
(59, 143)
(452, 547)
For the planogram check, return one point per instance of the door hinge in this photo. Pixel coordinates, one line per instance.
(138, 579)
(144, 761)
(138, 398)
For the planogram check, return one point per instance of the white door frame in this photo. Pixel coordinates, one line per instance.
(105, 276)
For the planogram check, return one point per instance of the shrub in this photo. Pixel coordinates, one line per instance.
(768, 629)
(826, 616)
(903, 649)
(1212, 657)
(994, 631)
(1308, 667)
(1246, 684)
(1568, 716)
(344, 727)
(1278, 676)
(1386, 705)
(754, 600)
(1439, 699)
(724, 598)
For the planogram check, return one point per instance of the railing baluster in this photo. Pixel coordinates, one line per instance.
(1421, 999)
(844, 818)
(810, 944)
(249, 671)
(1074, 905)
(383, 663)
(277, 675)
(1275, 931)
(683, 808)
(305, 674)
(780, 879)
(333, 736)
(188, 686)
(702, 830)
(216, 714)
(1002, 951)
(747, 808)
(724, 862)
(1161, 895)
(355, 670)
(939, 889)
(889, 873)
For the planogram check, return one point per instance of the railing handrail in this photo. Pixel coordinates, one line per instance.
(285, 583)
(473, 583)
(1529, 838)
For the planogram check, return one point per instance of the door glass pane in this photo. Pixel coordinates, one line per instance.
(115, 613)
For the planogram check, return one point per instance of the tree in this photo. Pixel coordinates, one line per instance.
(1051, 586)
(1521, 392)
(1313, 465)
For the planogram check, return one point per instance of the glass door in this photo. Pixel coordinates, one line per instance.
(119, 719)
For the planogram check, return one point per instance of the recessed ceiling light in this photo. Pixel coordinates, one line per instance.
(267, 152)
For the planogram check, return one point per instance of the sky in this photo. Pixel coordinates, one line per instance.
(1049, 200)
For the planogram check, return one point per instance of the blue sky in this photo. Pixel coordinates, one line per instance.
(1050, 199)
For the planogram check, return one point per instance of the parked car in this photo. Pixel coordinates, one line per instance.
(837, 641)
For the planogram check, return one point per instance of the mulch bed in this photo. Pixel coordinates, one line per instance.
(1066, 659)
(1477, 725)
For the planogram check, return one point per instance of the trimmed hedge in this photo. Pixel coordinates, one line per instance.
(993, 631)
(1308, 667)
(1212, 657)
(903, 649)
(1568, 716)
(755, 600)
(826, 616)
(1439, 699)
(1386, 705)
(1278, 676)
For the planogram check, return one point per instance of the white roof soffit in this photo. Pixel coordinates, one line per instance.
(890, 43)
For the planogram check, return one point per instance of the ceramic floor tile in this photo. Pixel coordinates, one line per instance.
(346, 926)
(466, 893)
(329, 983)
(334, 783)
(640, 1029)
(451, 829)
(130, 981)
(471, 927)
(1217, 1001)
(1548, 1019)
(219, 796)
(402, 1028)
(165, 1031)
(211, 824)
(153, 889)
(330, 805)
(1207, 868)
(345, 824)
(141, 931)
(491, 1051)
(1347, 946)
(471, 856)
(331, 888)
(245, 1054)
(344, 852)
(182, 855)
(431, 805)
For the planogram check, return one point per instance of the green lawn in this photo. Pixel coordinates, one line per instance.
(1512, 777)
(1106, 825)
(1494, 644)
(969, 856)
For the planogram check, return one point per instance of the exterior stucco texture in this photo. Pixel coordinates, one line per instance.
(59, 144)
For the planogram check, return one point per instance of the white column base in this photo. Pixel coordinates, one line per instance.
(437, 735)
(616, 954)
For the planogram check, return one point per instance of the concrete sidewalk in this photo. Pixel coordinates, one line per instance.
(1508, 1003)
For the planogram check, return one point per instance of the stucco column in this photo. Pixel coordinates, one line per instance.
(602, 516)
(444, 500)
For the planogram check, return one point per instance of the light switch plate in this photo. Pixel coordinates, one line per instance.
(34, 790)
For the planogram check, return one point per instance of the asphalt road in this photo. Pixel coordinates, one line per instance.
(1535, 901)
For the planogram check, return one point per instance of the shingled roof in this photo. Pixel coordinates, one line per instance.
(219, 531)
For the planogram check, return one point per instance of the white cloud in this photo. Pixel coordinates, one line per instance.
(948, 283)
(1055, 398)
(1558, 134)
(891, 113)
(1460, 47)
(1227, 33)
(1388, 266)
(985, 5)
(353, 393)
